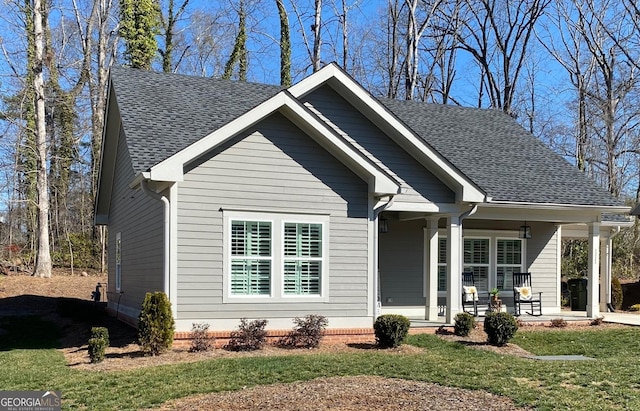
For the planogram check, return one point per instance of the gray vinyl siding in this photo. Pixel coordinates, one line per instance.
(272, 167)
(139, 219)
(422, 186)
(543, 262)
(401, 264)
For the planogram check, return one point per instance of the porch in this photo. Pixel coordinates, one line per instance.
(421, 259)
(568, 316)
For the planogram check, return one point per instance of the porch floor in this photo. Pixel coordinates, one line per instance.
(620, 318)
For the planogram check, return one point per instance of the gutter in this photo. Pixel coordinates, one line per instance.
(376, 279)
(167, 220)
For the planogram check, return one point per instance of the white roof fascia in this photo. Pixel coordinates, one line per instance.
(557, 206)
(559, 213)
(468, 192)
(171, 169)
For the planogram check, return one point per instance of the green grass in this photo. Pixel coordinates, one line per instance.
(611, 381)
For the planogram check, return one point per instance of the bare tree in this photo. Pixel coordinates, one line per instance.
(285, 45)
(43, 258)
(415, 29)
(168, 24)
(564, 41)
(496, 34)
(239, 52)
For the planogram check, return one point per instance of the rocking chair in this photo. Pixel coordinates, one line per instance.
(522, 294)
(469, 294)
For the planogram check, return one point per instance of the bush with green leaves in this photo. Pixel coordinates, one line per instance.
(200, 338)
(155, 324)
(98, 344)
(500, 328)
(307, 332)
(463, 324)
(249, 336)
(391, 330)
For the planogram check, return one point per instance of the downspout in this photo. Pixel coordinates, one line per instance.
(610, 307)
(472, 211)
(461, 217)
(468, 213)
(167, 219)
(376, 278)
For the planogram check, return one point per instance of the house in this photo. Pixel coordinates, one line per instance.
(242, 200)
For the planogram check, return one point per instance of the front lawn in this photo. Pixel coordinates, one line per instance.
(611, 381)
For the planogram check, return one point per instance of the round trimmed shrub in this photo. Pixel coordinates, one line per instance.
(500, 328)
(463, 324)
(391, 330)
(155, 324)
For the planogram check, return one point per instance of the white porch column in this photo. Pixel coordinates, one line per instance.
(431, 269)
(605, 271)
(593, 287)
(454, 267)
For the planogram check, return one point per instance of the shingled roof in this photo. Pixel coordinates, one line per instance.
(164, 113)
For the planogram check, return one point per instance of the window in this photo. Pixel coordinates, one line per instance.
(279, 256)
(442, 264)
(250, 257)
(476, 259)
(509, 261)
(118, 261)
(493, 260)
(302, 258)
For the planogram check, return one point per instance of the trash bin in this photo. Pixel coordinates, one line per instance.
(578, 291)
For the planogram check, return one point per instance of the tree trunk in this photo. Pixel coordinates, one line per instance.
(285, 45)
(43, 259)
(317, 40)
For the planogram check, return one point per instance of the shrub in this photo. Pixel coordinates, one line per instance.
(249, 336)
(98, 344)
(597, 321)
(155, 324)
(391, 330)
(500, 328)
(616, 293)
(200, 338)
(558, 323)
(307, 332)
(442, 330)
(464, 323)
(635, 307)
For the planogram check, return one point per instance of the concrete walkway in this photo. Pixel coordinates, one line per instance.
(622, 318)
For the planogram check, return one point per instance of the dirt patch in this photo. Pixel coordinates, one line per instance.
(61, 284)
(346, 394)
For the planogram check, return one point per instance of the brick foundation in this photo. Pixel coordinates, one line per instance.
(344, 335)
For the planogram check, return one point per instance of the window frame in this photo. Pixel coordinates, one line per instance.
(118, 257)
(250, 257)
(470, 266)
(277, 286)
(494, 236)
(498, 265)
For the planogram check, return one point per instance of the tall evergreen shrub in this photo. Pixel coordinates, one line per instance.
(155, 324)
